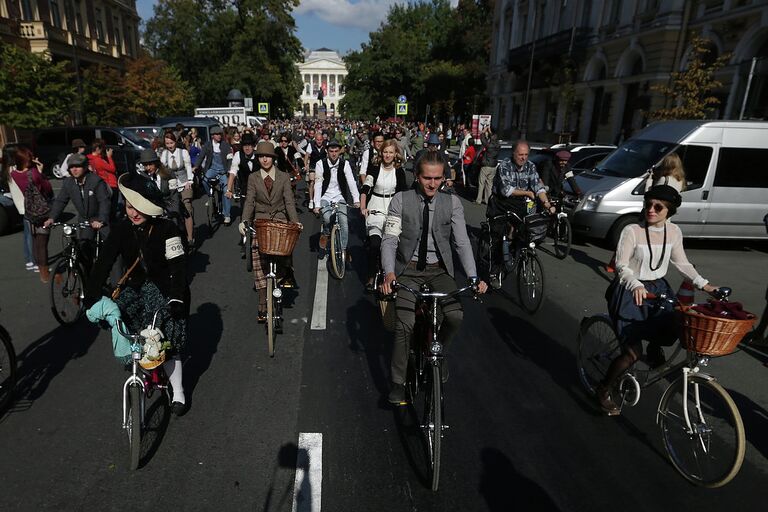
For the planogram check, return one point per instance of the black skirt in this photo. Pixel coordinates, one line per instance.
(648, 322)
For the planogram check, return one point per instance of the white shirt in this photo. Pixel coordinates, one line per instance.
(182, 159)
(365, 160)
(236, 163)
(333, 192)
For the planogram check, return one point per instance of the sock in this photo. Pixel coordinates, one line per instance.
(173, 370)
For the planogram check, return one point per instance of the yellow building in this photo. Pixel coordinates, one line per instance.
(621, 48)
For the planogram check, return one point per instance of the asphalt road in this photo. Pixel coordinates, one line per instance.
(522, 433)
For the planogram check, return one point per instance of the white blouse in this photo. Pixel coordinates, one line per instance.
(633, 259)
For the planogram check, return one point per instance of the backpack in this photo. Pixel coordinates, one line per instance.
(36, 208)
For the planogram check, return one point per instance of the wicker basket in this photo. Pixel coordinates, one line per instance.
(276, 238)
(151, 365)
(709, 335)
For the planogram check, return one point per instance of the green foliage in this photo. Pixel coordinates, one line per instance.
(243, 44)
(34, 92)
(433, 54)
(690, 91)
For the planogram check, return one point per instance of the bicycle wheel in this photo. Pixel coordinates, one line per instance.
(598, 346)
(530, 282)
(412, 377)
(67, 292)
(211, 207)
(711, 451)
(337, 254)
(433, 422)
(270, 318)
(7, 369)
(134, 425)
(562, 236)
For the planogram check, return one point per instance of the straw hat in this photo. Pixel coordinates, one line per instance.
(142, 193)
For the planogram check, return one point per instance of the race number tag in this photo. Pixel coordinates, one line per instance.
(173, 248)
(393, 226)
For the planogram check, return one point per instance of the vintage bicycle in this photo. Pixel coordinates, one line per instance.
(338, 255)
(559, 230)
(701, 428)
(213, 203)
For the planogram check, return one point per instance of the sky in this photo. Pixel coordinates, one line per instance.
(341, 25)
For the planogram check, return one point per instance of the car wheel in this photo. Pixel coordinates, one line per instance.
(619, 226)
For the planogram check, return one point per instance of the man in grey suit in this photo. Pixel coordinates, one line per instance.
(214, 160)
(422, 229)
(90, 197)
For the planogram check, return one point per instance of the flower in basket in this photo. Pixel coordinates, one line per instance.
(154, 344)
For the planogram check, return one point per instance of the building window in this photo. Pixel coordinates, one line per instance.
(78, 20)
(26, 10)
(99, 25)
(55, 13)
(129, 40)
(116, 35)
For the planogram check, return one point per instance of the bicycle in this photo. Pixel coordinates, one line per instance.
(559, 229)
(213, 203)
(519, 254)
(337, 253)
(7, 368)
(69, 275)
(385, 302)
(701, 428)
(424, 370)
(138, 387)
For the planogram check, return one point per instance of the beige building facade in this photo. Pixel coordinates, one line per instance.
(322, 69)
(618, 50)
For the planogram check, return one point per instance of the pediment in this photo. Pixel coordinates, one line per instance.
(322, 64)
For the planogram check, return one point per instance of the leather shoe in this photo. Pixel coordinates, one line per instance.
(605, 401)
(397, 394)
(179, 409)
(348, 256)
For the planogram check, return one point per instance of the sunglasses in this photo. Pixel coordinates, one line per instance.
(283, 140)
(657, 207)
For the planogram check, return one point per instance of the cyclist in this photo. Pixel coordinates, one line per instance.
(422, 229)
(102, 164)
(244, 162)
(78, 148)
(178, 162)
(315, 152)
(385, 178)
(213, 161)
(642, 259)
(162, 177)
(152, 249)
(335, 184)
(554, 172)
(269, 196)
(370, 154)
(91, 198)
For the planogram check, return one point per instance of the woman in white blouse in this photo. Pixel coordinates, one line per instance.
(643, 256)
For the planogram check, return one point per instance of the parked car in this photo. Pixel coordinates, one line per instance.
(51, 145)
(727, 187)
(202, 124)
(145, 132)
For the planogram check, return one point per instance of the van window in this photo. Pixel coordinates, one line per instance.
(695, 163)
(742, 167)
(52, 138)
(86, 134)
(634, 158)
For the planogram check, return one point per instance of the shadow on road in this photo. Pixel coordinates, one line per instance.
(755, 421)
(292, 458)
(156, 420)
(585, 259)
(412, 438)
(204, 330)
(367, 334)
(505, 489)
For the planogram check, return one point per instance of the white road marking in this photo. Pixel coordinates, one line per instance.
(320, 306)
(307, 487)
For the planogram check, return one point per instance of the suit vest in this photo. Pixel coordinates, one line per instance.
(340, 177)
(411, 218)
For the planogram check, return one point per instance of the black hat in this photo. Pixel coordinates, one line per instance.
(142, 193)
(665, 193)
(333, 143)
(78, 143)
(77, 160)
(148, 156)
(248, 139)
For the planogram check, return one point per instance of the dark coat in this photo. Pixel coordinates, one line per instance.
(205, 159)
(91, 200)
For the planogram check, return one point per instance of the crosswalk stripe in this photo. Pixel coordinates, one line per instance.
(320, 306)
(307, 487)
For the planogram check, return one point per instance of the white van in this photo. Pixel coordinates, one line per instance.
(726, 168)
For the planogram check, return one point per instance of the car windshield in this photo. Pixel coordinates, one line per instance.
(634, 158)
(135, 138)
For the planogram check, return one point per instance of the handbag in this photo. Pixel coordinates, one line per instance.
(119, 288)
(36, 207)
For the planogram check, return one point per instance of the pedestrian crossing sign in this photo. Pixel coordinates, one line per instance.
(402, 109)
(263, 108)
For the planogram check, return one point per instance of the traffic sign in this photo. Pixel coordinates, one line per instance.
(402, 109)
(402, 99)
(263, 108)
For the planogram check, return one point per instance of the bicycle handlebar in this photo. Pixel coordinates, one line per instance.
(435, 295)
(74, 225)
(720, 294)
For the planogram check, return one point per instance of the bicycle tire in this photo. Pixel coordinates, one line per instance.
(412, 377)
(433, 423)
(718, 420)
(7, 369)
(338, 267)
(530, 282)
(270, 318)
(598, 346)
(67, 292)
(248, 250)
(562, 236)
(211, 207)
(134, 426)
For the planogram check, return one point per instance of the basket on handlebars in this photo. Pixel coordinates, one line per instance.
(711, 335)
(535, 228)
(276, 238)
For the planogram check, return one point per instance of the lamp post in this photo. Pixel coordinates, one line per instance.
(524, 127)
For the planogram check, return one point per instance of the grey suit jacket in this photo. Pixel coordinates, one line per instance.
(205, 158)
(278, 204)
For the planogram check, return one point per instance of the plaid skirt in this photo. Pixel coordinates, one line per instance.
(138, 306)
(259, 264)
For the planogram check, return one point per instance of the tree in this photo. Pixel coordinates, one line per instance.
(690, 90)
(103, 98)
(153, 89)
(34, 92)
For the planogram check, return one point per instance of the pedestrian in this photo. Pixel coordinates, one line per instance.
(669, 172)
(490, 142)
(17, 195)
(78, 147)
(100, 160)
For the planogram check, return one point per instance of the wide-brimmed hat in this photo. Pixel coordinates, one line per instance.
(247, 139)
(77, 160)
(142, 193)
(433, 139)
(148, 156)
(78, 143)
(265, 148)
(664, 193)
(216, 129)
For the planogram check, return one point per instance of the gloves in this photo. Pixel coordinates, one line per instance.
(242, 228)
(177, 309)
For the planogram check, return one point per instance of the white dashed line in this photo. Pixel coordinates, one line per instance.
(307, 488)
(320, 306)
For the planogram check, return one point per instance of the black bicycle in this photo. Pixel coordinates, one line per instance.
(213, 201)
(7, 368)
(70, 273)
(424, 374)
(498, 258)
(559, 230)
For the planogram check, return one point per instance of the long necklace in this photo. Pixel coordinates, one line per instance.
(650, 251)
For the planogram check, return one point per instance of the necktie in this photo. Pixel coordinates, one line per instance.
(268, 183)
(173, 162)
(422, 263)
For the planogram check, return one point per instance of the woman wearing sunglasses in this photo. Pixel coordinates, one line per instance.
(643, 255)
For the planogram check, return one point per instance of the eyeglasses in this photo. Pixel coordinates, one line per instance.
(657, 207)
(283, 140)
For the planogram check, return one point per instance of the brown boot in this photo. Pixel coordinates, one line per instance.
(323, 241)
(45, 274)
